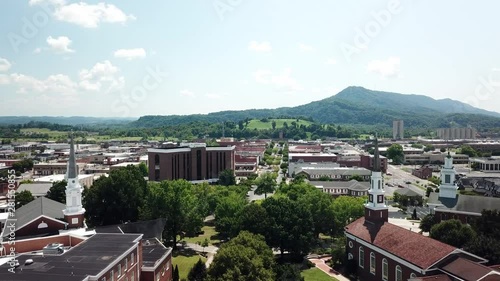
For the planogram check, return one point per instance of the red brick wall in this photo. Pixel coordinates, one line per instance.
(37, 244)
(442, 216)
(364, 273)
(129, 270)
(32, 228)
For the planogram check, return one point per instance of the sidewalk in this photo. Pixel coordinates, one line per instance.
(321, 264)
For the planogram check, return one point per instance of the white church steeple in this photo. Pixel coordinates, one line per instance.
(74, 209)
(448, 188)
(375, 209)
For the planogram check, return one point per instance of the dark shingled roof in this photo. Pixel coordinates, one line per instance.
(38, 207)
(89, 258)
(152, 251)
(440, 277)
(467, 270)
(150, 229)
(415, 248)
(465, 203)
(408, 192)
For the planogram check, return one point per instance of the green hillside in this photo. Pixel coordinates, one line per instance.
(259, 125)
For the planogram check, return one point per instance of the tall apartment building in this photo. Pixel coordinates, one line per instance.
(398, 129)
(192, 162)
(456, 133)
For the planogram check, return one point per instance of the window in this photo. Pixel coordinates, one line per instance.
(385, 270)
(132, 258)
(119, 269)
(361, 257)
(399, 273)
(447, 179)
(103, 279)
(350, 244)
(132, 276)
(111, 275)
(126, 264)
(350, 256)
(372, 263)
(413, 275)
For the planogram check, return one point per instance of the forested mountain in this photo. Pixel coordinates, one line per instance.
(356, 105)
(73, 120)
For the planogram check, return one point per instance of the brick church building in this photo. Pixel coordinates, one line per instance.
(383, 251)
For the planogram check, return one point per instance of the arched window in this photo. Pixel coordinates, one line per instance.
(399, 273)
(413, 275)
(350, 256)
(372, 263)
(157, 159)
(361, 257)
(385, 270)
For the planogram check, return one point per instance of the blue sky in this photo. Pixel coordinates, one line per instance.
(134, 58)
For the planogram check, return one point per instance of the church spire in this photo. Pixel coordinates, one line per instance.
(72, 172)
(74, 212)
(375, 209)
(376, 157)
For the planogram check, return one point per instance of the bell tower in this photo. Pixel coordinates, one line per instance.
(375, 209)
(74, 212)
(448, 188)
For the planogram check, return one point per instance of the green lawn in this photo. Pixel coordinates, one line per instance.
(209, 232)
(257, 124)
(185, 263)
(52, 134)
(314, 274)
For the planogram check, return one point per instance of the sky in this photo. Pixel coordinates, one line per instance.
(135, 58)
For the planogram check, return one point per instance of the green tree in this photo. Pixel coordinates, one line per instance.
(289, 226)
(468, 150)
(227, 177)
(228, 213)
(273, 124)
(320, 206)
(175, 274)
(428, 191)
(254, 218)
(356, 177)
(144, 169)
(204, 244)
(57, 192)
(175, 201)
(395, 152)
(486, 247)
(198, 272)
(345, 210)
(116, 198)
(266, 183)
(244, 258)
(288, 272)
(435, 180)
(23, 198)
(427, 223)
(452, 232)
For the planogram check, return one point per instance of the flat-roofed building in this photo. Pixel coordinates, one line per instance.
(193, 162)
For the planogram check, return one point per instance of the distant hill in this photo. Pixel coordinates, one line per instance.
(74, 120)
(356, 105)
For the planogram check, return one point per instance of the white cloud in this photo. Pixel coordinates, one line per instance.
(102, 74)
(84, 14)
(260, 47)
(282, 82)
(4, 79)
(60, 44)
(130, 54)
(331, 61)
(4, 65)
(187, 93)
(306, 48)
(58, 83)
(387, 68)
(37, 50)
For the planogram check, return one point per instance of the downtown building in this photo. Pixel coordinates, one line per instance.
(379, 250)
(192, 162)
